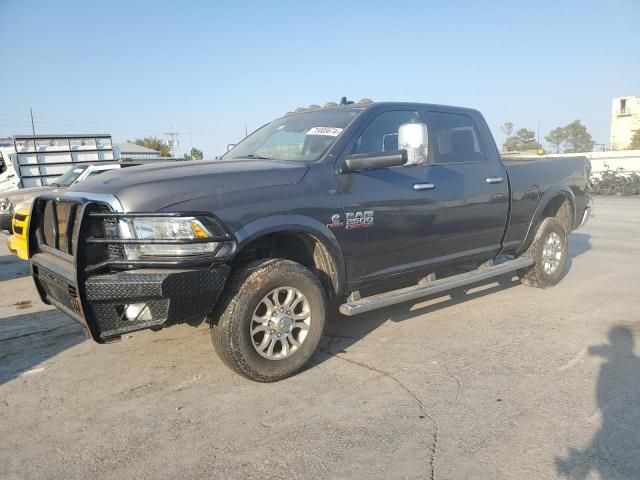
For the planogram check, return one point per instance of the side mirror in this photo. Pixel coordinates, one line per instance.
(374, 161)
(230, 146)
(414, 138)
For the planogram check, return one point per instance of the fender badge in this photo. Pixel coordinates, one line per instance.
(336, 221)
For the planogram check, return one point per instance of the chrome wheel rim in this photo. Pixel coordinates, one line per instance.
(551, 253)
(280, 323)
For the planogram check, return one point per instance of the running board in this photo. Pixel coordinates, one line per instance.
(429, 287)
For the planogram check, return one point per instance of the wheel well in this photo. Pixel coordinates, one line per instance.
(300, 247)
(560, 207)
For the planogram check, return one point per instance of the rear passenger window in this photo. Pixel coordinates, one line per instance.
(453, 138)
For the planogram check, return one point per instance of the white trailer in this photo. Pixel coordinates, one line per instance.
(35, 160)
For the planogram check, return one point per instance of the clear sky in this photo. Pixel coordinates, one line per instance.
(136, 68)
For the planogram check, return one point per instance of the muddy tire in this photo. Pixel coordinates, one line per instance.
(269, 321)
(549, 253)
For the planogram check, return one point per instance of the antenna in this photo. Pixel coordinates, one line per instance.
(172, 141)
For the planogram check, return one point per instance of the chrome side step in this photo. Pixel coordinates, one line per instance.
(428, 286)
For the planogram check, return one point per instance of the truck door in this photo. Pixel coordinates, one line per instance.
(475, 227)
(392, 218)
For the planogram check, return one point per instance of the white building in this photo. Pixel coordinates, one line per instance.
(133, 151)
(625, 119)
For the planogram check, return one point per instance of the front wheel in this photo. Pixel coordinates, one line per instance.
(549, 253)
(270, 319)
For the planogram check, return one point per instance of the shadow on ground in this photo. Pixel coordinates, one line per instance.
(343, 332)
(30, 339)
(12, 267)
(614, 451)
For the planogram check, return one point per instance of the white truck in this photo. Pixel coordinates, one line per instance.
(13, 200)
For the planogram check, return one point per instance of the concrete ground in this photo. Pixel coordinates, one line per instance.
(505, 382)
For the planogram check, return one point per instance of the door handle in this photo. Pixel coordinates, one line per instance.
(423, 186)
(493, 180)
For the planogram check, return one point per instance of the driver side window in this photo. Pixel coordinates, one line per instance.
(381, 135)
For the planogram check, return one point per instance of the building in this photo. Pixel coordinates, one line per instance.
(136, 152)
(625, 119)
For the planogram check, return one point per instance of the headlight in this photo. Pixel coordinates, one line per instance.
(174, 230)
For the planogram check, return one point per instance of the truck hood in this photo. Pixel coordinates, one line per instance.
(149, 188)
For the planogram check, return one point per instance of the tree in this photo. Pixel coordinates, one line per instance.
(577, 138)
(556, 137)
(507, 128)
(510, 144)
(635, 141)
(194, 155)
(154, 143)
(527, 139)
(524, 139)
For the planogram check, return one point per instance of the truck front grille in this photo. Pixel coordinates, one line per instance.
(60, 225)
(110, 227)
(59, 221)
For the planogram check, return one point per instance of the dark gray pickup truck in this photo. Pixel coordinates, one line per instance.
(359, 205)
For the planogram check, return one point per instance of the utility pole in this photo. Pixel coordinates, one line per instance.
(173, 140)
(33, 127)
(246, 133)
(190, 129)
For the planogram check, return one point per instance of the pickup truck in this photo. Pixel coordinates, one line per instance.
(358, 205)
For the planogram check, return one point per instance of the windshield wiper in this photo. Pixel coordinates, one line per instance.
(253, 155)
(54, 184)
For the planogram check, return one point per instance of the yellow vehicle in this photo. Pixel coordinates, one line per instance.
(17, 242)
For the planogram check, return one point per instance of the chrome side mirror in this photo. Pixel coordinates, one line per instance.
(414, 138)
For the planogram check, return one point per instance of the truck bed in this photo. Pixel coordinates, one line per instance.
(530, 179)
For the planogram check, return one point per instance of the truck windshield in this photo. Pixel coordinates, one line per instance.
(68, 177)
(299, 137)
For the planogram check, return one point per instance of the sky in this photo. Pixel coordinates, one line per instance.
(208, 69)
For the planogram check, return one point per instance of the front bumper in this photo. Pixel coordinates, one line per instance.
(17, 242)
(100, 303)
(18, 246)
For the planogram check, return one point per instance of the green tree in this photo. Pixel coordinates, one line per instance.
(635, 141)
(154, 143)
(577, 138)
(194, 155)
(524, 139)
(527, 139)
(510, 144)
(556, 138)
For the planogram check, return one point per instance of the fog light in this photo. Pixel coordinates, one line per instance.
(138, 312)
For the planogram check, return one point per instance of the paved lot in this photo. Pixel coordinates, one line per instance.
(503, 382)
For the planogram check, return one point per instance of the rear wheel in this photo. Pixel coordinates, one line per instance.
(549, 253)
(270, 320)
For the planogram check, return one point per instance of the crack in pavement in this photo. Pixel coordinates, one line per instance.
(436, 432)
(33, 333)
(456, 378)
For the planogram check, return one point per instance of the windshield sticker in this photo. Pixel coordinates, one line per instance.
(325, 131)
